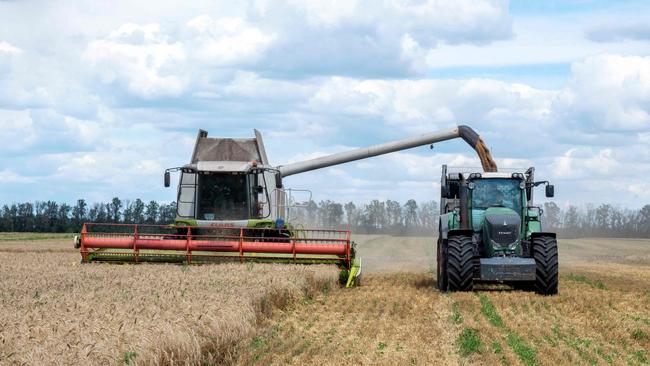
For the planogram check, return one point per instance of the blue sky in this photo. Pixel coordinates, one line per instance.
(97, 98)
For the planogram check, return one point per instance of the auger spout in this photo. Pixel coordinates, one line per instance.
(465, 132)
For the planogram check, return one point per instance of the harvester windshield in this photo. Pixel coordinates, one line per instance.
(496, 192)
(224, 197)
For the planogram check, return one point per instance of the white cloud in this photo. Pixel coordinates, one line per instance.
(608, 91)
(8, 48)
(620, 30)
(586, 163)
(227, 41)
(16, 131)
(426, 104)
(7, 176)
(142, 57)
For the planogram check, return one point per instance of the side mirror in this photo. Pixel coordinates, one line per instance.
(167, 179)
(278, 180)
(550, 190)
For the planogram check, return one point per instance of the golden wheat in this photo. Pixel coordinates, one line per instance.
(54, 310)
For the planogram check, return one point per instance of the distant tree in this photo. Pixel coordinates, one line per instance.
(644, 221)
(114, 210)
(167, 213)
(151, 213)
(51, 213)
(551, 218)
(25, 217)
(127, 214)
(93, 213)
(351, 215)
(394, 217)
(376, 213)
(6, 223)
(79, 214)
(411, 214)
(331, 213)
(63, 218)
(428, 214)
(138, 211)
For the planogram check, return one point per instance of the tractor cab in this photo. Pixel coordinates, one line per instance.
(497, 202)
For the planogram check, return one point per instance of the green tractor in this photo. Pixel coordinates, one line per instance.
(490, 232)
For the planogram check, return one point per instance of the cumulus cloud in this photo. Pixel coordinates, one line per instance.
(227, 41)
(608, 92)
(142, 57)
(8, 48)
(620, 31)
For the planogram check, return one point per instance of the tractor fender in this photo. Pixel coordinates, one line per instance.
(542, 233)
(465, 232)
(443, 227)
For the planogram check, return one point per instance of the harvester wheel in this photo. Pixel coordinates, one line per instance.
(441, 275)
(546, 259)
(460, 264)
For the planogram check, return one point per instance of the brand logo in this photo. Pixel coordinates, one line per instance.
(505, 232)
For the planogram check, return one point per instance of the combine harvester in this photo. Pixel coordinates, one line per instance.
(232, 205)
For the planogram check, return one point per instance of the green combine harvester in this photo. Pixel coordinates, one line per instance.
(490, 232)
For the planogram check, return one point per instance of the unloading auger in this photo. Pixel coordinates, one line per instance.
(232, 205)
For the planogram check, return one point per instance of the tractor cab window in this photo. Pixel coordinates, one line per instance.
(496, 192)
(223, 197)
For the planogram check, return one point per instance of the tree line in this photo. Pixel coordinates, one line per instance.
(51, 216)
(375, 217)
(604, 220)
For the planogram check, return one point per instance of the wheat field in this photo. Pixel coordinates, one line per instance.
(54, 310)
(601, 315)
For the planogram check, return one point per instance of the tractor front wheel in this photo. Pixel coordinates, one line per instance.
(544, 250)
(460, 264)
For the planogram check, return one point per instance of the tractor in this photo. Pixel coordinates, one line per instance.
(491, 232)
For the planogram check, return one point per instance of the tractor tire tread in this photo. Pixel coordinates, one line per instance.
(545, 253)
(460, 264)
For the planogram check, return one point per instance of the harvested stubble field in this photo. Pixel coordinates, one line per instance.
(54, 310)
(601, 316)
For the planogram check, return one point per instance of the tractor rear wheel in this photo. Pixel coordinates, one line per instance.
(460, 264)
(441, 275)
(544, 250)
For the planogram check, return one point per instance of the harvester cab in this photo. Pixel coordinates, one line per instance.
(228, 183)
(232, 205)
(490, 231)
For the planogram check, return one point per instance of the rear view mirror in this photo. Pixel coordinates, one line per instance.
(278, 180)
(258, 189)
(550, 190)
(444, 191)
(167, 179)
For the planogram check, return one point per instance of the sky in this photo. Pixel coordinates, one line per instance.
(98, 97)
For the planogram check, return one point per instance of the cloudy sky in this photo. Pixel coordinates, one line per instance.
(98, 97)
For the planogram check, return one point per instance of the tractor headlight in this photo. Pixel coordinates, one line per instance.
(510, 246)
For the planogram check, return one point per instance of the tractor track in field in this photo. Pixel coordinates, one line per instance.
(397, 317)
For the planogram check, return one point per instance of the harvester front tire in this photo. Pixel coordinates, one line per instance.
(460, 264)
(441, 274)
(546, 260)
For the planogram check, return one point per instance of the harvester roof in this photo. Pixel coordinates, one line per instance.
(209, 149)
